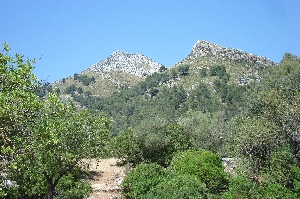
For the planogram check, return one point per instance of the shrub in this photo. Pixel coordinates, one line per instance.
(142, 179)
(179, 186)
(241, 187)
(72, 187)
(279, 169)
(203, 164)
(276, 190)
(296, 180)
(125, 146)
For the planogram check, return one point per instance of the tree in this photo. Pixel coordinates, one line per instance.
(162, 68)
(76, 75)
(18, 104)
(126, 147)
(274, 104)
(42, 142)
(217, 71)
(203, 72)
(257, 139)
(173, 73)
(183, 69)
(61, 139)
(18, 101)
(70, 89)
(153, 92)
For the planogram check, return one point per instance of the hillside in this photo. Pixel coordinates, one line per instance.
(119, 70)
(211, 79)
(124, 70)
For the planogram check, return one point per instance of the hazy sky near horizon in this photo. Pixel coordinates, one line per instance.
(71, 35)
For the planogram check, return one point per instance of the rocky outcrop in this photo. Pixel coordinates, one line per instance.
(136, 64)
(204, 48)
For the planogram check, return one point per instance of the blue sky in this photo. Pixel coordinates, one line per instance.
(71, 35)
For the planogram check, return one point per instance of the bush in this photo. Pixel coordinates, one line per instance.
(179, 186)
(142, 179)
(125, 146)
(72, 187)
(279, 169)
(276, 190)
(296, 180)
(203, 164)
(241, 187)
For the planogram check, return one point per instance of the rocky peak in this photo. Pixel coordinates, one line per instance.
(136, 64)
(204, 48)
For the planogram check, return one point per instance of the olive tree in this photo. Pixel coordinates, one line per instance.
(62, 138)
(42, 142)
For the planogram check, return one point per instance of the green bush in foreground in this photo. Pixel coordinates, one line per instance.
(179, 186)
(241, 187)
(125, 146)
(205, 165)
(142, 179)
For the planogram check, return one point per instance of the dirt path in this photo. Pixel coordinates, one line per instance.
(107, 179)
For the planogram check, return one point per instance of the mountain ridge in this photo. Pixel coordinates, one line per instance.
(204, 48)
(136, 64)
(123, 70)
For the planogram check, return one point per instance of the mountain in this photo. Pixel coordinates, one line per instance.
(120, 70)
(204, 48)
(211, 79)
(135, 64)
(242, 66)
(220, 69)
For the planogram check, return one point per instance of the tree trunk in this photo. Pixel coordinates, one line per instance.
(50, 191)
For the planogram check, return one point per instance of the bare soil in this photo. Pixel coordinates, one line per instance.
(107, 177)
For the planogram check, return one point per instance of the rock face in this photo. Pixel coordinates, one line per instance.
(204, 48)
(136, 64)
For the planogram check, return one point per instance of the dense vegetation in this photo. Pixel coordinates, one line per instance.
(43, 142)
(263, 139)
(173, 128)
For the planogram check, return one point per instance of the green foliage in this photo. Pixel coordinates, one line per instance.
(200, 99)
(266, 133)
(142, 179)
(192, 174)
(61, 139)
(257, 139)
(160, 144)
(126, 147)
(73, 186)
(173, 73)
(178, 138)
(296, 179)
(19, 104)
(241, 187)
(206, 130)
(153, 92)
(162, 68)
(84, 79)
(70, 89)
(183, 70)
(203, 72)
(18, 100)
(280, 169)
(277, 191)
(217, 71)
(179, 186)
(43, 141)
(203, 164)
